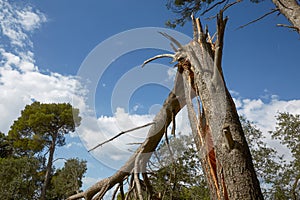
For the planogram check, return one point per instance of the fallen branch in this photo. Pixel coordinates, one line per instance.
(173, 104)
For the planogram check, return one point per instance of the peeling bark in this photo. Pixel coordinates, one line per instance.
(225, 154)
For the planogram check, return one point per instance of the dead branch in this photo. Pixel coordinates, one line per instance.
(157, 57)
(173, 124)
(172, 157)
(122, 191)
(172, 39)
(118, 135)
(291, 10)
(116, 190)
(148, 185)
(226, 6)
(259, 18)
(212, 7)
(174, 102)
(131, 188)
(134, 143)
(290, 27)
(137, 164)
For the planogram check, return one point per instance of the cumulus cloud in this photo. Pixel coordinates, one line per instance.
(263, 113)
(21, 82)
(94, 131)
(16, 22)
(72, 144)
(29, 19)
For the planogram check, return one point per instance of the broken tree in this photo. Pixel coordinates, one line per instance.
(223, 150)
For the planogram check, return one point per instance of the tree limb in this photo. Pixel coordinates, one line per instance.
(174, 102)
(136, 176)
(157, 57)
(259, 18)
(212, 7)
(118, 135)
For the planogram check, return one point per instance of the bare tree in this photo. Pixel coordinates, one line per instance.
(217, 131)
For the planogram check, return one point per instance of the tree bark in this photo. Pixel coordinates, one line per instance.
(48, 168)
(291, 10)
(225, 154)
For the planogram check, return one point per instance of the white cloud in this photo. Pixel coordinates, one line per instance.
(263, 114)
(29, 19)
(94, 131)
(20, 79)
(16, 21)
(19, 86)
(115, 153)
(135, 107)
(72, 144)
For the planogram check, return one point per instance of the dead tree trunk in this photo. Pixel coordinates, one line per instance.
(224, 153)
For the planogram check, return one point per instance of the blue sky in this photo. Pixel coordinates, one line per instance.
(74, 28)
(44, 45)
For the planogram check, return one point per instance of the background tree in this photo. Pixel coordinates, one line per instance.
(190, 181)
(40, 129)
(267, 162)
(20, 178)
(5, 146)
(67, 180)
(175, 170)
(184, 8)
(287, 131)
(278, 179)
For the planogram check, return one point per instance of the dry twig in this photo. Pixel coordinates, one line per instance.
(123, 132)
(259, 18)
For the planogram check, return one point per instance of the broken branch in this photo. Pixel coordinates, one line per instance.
(157, 57)
(259, 18)
(123, 132)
